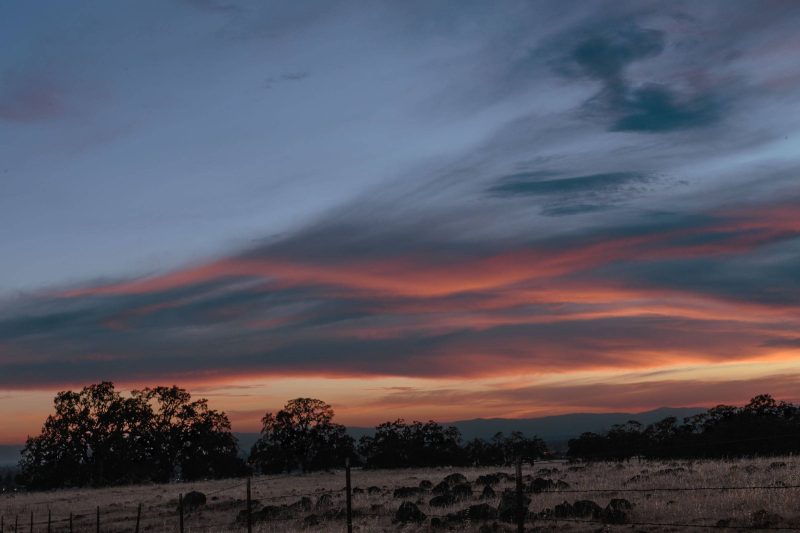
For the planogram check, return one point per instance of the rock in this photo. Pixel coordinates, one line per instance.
(442, 500)
(303, 504)
(541, 484)
(480, 512)
(455, 479)
(462, 491)
(613, 516)
(494, 527)
(337, 513)
(425, 484)
(488, 479)
(508, 508)
(488, 493)
(763, 519)
(311, 520)
(563, 510)
(586, 509)
(324, 502)
(442, 488)
(406, 492)
(193, 500)
(621, 504)
(409, 512)
(373, 490)
(268, 512)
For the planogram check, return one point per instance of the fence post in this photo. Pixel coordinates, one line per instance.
(16, 522)
(97, 520)
(48, 520)
(520, 511)
(3, 524)
(70, 522)
(349, 497)
(31, 521)
(138, 516)
(249, 509)
(180, 512)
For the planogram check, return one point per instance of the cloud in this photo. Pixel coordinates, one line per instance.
(573, 194)
(605, 56)
(349, 297)
(793, 342)
(656, 108)
(636, 395)
(647, 107)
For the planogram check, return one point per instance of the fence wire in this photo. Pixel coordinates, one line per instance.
(358, 514)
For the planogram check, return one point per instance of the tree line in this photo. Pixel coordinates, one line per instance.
(99, 436)
(763, 426)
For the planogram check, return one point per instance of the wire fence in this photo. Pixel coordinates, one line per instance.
(94, 518)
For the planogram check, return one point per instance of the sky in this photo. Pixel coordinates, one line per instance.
(422, 209)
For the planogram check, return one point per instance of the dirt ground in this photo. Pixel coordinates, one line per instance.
(698, 493)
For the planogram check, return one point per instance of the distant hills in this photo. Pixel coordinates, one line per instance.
(9, 454)
(555, 430)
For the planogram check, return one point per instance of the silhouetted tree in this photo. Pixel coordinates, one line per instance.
(400, 445)
(762, 427)
(504, 450)
(301, 436)
(99, 437)
(185, 433)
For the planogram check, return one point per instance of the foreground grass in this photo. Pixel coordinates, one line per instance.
(374, 512)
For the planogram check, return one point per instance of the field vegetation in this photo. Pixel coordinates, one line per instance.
(281, 506)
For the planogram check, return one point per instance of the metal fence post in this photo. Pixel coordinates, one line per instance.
(249, 509)
(180, 512)
(349, 497)
(520, 511)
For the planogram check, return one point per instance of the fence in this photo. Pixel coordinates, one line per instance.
(522, 518)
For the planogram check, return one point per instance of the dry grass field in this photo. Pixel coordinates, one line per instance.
(761, 508)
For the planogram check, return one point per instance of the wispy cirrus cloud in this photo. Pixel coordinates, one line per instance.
(535, 189)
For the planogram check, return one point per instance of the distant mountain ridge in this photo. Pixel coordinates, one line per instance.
(555, 430)
(9, 454)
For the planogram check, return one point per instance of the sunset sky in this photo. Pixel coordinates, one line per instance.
(421, 209)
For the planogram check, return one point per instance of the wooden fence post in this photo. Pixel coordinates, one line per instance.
(138, 516)
(520, 511)
(349, 497)
(249, 508)
(3, 524)
(48, 520)
(180, 512)
(70, 522)
(31, 521)
(16, 522)
(97, 520)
